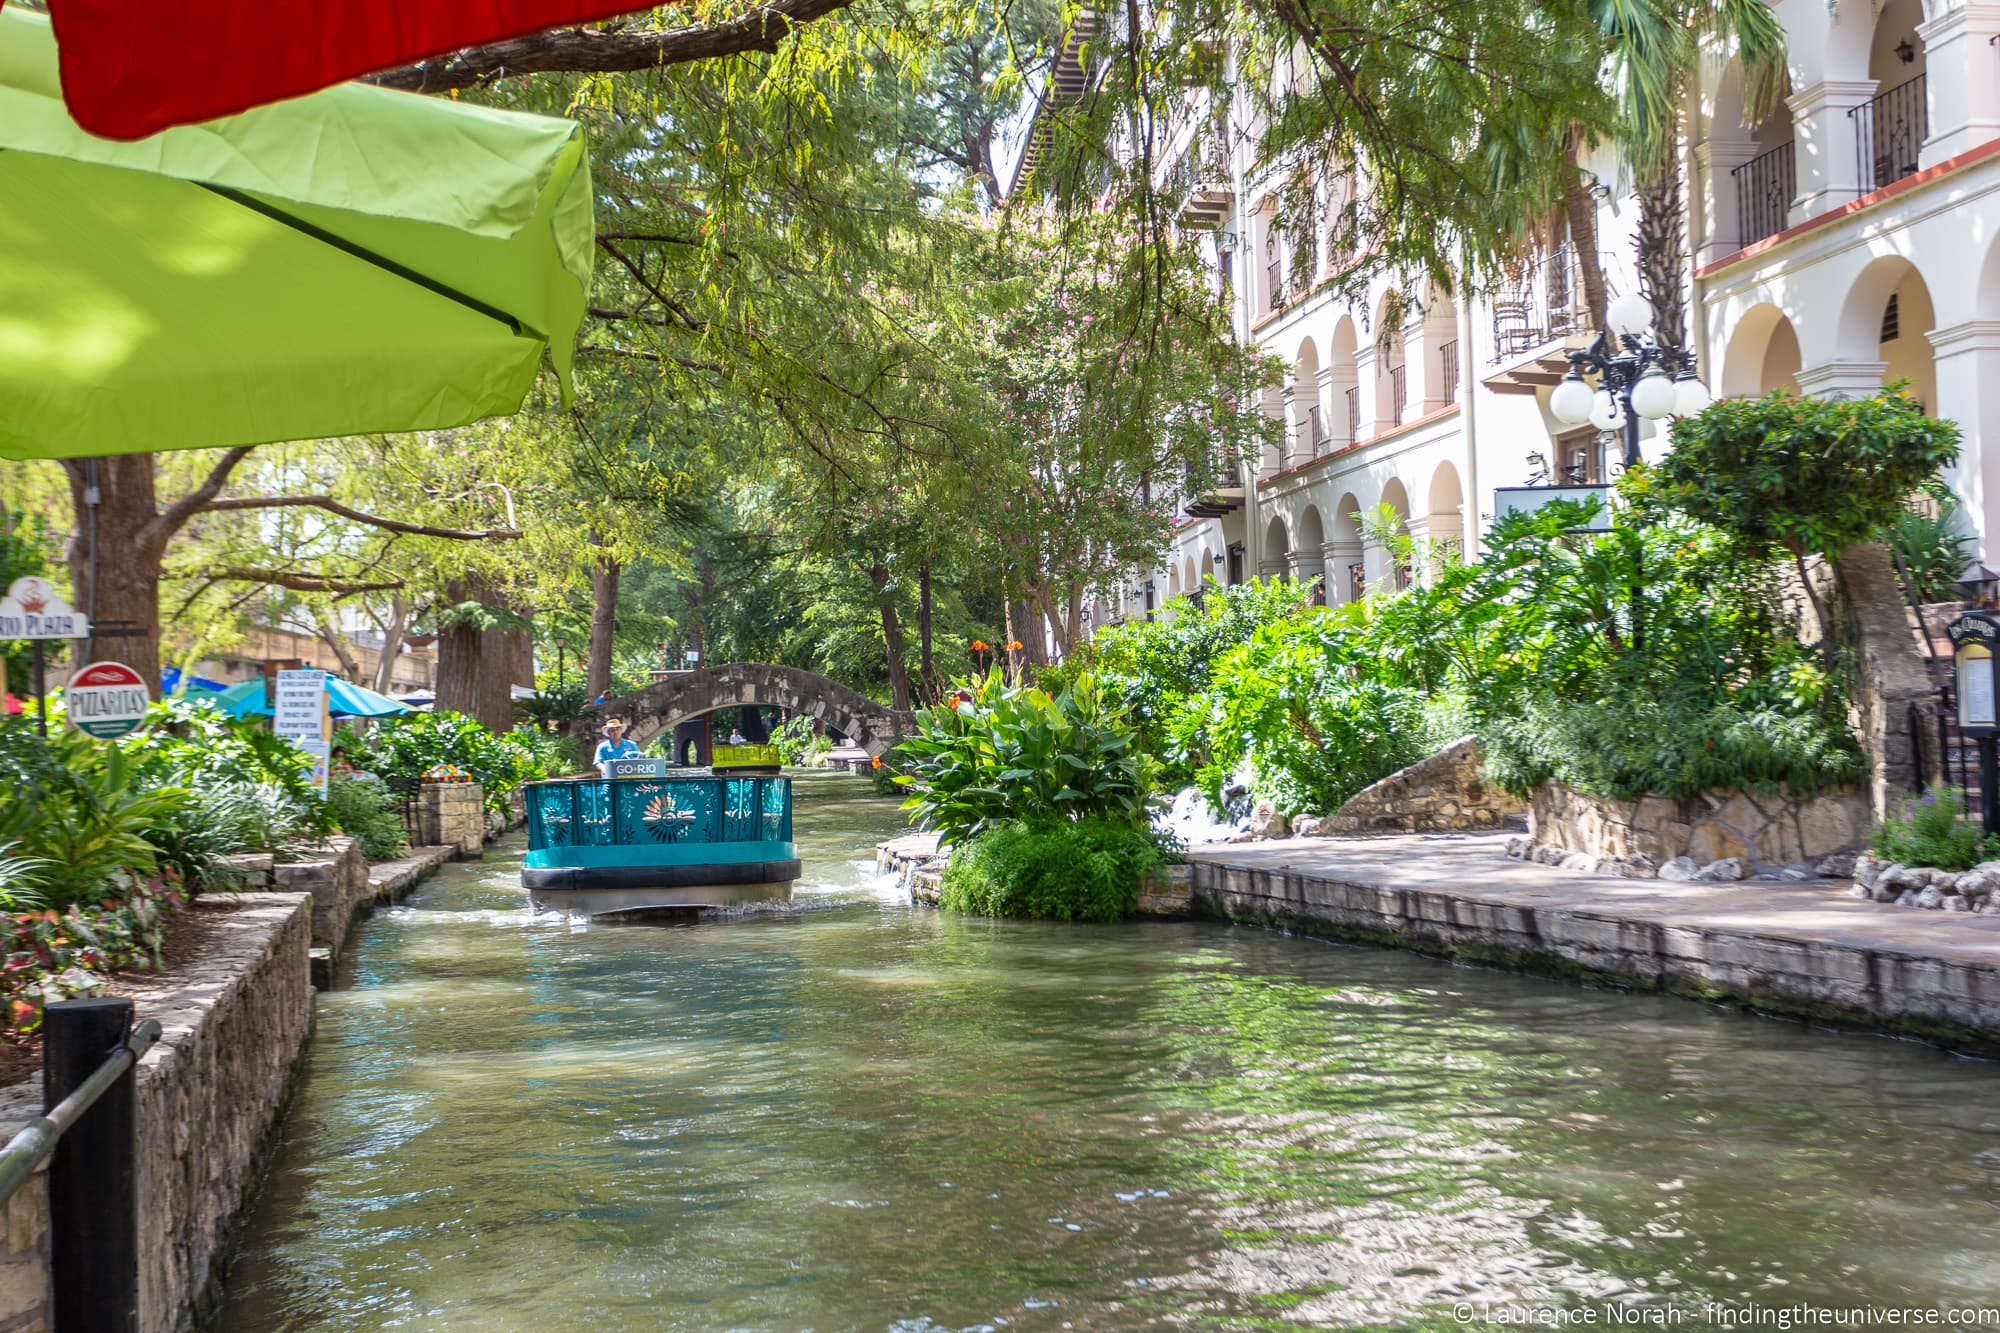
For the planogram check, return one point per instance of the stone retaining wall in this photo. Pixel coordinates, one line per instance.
(1825, 975)
(1772, 830)
(1446, 793)
(452, 814)
(207, 1095)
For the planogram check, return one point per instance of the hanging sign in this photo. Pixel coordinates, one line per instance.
(107, 700)
(31, 610)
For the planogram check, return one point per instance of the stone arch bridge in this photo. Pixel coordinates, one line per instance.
(663, 705)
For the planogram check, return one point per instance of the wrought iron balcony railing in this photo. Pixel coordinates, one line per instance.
(1889, 130)
(1399, 392)
(1544, 301)
(1764, 189)
(1448, 367)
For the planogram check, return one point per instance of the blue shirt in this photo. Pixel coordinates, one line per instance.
(622, 748)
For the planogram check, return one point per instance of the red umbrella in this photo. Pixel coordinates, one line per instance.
(9, 704)
(130, 70)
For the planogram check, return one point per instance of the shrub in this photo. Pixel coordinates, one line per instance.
(365, 809)
(78, 810)
(797, 742)
(1933, 831)
(1085, 870)
(1315, 730)
(1004, 753)
(51, 955)
(403, 750)
(1934, 549)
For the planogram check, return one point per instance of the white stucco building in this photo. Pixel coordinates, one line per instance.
(1846, 240)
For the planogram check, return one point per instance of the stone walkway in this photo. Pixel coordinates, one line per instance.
(1807, 949)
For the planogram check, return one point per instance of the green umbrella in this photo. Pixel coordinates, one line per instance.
(343, 699)
(357, 260)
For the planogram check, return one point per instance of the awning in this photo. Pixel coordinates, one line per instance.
(130, 70)
(355, 261)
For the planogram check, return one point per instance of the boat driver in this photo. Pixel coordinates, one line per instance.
(613, 746)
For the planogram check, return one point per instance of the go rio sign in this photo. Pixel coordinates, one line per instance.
(106, 699)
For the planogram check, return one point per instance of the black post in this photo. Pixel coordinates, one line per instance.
(1631, 426)
(1989, 799)
(41, 692)
(93, 1177)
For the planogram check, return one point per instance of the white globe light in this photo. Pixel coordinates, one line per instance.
(1605, 414)
(1690, 396)
(1630, 315)
(1654, 395)
(1570, 401)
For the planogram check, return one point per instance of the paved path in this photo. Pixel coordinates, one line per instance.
(1809, 948)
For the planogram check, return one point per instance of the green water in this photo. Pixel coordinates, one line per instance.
(867, 1116)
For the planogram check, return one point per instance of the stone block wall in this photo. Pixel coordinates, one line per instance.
(337, 880)
(1771, 830)
(206, 1098)
(1872, 620)
(1446, 793)
(452, 814)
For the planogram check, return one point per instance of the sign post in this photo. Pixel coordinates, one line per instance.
(32, 611)
(299, 714)
(1975, 640)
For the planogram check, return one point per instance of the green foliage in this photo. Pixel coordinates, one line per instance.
(1081, 870)
(1015, 753)
(401, 750)
(1934, 548)
(1804, 475)
(1934, 831)
(797, 742)
(365, 809)
(79, 810)
(24, 550)
(52, 955)
(1158, 666)
(1314, 729)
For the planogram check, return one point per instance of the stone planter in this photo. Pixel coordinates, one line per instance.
(1770, 830)
(452, 814)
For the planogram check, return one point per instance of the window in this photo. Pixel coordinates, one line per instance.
(1892, 321)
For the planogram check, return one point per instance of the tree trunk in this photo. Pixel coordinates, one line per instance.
(392, 643)
(1662, 251)
(603, 624)
(475, 666)
(1581, 211)
(928, 664)
(125, 584)
(328, 632)
(892, 637)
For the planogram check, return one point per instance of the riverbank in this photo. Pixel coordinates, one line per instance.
(1805, 950)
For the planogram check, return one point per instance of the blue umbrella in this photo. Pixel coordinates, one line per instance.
(344, 699)
(171, 678)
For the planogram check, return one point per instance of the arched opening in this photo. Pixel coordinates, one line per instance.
(1393, 518)
(1886, 318)
(1392, 385)
(1276, 563)
(1309, 558)
(1346, 558)
(1344, 385)
(1308, 419)
(1752, 168)
(1763, 355)
(1891, 127)
(1444, 527)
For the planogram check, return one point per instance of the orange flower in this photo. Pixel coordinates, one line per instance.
(1014, 646)
(876, 762)
(980, 646)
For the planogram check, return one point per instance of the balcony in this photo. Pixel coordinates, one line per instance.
(1354, 414)
(1200, 182)
(1889, 130)
(1316, 429)
(1764, 189)
(1399, 392)
(1214, 503)
(1448, 368)
(1539, 316)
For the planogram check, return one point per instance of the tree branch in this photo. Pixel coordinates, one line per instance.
(296, 582)
(606, 50)
(176, 515)
(333, 506)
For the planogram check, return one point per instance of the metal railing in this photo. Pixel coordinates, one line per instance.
(1316, 420)
(1274, 271)
(1542, 302)
(1448, 367)
(1399, 383)
(1353, 413)
(1889, 131)
(1764, 189)
(88, 1137)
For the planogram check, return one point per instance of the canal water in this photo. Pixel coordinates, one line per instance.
(863, 1115)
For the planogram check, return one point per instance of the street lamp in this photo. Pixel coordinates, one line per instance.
(1978, 583)
(1638, 377)
(1974, 637)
